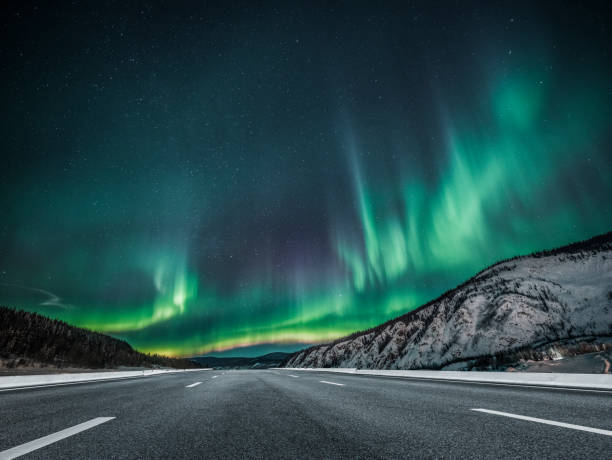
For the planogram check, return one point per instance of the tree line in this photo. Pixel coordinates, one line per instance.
(29, 338)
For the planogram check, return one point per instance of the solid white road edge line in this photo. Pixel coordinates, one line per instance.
(193, 385)
(67, 383)
(546, 422)
(294, 376)
(81, 382)
(520, 385)
(468, 382)
(332, 383)
(50, 439)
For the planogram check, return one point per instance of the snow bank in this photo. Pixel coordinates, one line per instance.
(582, 381)
(23, 381)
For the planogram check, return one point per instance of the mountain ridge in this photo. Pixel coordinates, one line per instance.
(324, 355)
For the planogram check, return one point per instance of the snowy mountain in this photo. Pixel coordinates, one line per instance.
(522, 303)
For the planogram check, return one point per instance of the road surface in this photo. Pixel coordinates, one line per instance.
(292, 414)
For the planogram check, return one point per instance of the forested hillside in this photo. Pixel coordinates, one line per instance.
(30, 339)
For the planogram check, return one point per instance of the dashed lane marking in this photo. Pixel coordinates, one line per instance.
(50, 439)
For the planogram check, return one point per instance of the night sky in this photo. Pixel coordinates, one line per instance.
(194, 177)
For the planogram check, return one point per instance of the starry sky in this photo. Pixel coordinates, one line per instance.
(245, 177)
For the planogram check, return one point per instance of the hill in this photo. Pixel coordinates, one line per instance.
(549, 304)
(32, 340)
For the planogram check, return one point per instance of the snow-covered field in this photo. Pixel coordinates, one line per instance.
(526, 301)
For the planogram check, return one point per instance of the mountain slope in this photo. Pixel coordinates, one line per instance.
(524, 302)
(30, 339)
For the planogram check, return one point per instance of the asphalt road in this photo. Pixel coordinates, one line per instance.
(291, 414)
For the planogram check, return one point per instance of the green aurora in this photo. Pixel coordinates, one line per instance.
(221, 201)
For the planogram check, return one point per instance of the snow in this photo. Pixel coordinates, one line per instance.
(582, 381)
(22, 381)
(520, 302)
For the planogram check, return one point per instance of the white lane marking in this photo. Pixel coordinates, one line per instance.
(50, 439)
(70, 383)
(546, 422)
(113, 379)
(332, 383)
(294, 376)
(193, 385)
(215, 376)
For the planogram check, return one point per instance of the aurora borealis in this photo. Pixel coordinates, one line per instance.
(196, 178)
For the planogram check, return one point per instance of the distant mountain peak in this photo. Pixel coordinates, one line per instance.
(273, 359)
